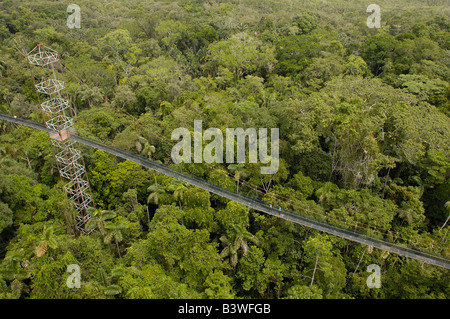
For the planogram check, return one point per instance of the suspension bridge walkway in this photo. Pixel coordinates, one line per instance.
(298, 218)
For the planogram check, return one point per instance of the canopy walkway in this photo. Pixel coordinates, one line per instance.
(324, 226)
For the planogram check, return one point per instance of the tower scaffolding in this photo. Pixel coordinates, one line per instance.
(58, 117)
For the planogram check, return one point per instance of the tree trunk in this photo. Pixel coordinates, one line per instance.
(314, 272)
(27, 159)
(279, 291)
(357, 266)
(117, 245)
(148, 215)
(445, 223)
(442, 241)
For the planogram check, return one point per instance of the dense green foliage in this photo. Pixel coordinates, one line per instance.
(363, 117)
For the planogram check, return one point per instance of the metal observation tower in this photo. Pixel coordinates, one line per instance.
(58, 117)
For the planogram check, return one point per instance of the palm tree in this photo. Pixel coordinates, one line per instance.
(47, 239)
(14, 268)
(149, 150)
(239, 171)
(178, 188)
(115, 233)
(233, 243)
(98, 218)
(154, 172)
(11, 267)
(131, 196)
(110, 282)
(156, 191)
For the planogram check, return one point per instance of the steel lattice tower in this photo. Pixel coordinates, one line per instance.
(58, 117)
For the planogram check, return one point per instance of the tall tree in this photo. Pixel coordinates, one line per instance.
(114, 232)
(237, 240)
